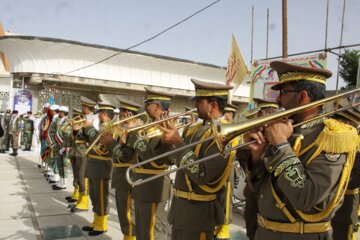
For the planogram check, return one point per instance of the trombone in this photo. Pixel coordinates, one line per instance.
(224, 133)
(114, 128)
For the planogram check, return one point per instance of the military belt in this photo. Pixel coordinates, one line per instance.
(296, 227)
(148, 171)
(194, 196)
(120, 165)
(352, 191)
(99, 157)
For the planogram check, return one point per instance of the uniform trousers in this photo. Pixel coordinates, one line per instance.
(186, 235)
(150, 220)
(81, 160)
(99, 195)
(125, 210)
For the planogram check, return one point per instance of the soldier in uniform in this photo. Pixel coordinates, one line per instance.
(263, 108)
(7, 129)
(5, 120)
(72, 157)
(230, 112)
(43, 133)
(98, 171)
(306, 168)
(81, 144)
(14, 131)
(53, 174)
(28, 131)
(198, 203)
(124, 202)
(345, 221)
(150, 199)
(62, 144)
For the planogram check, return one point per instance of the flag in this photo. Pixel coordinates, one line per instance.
(236, 69)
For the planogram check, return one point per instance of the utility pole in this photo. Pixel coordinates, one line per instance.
(284, 28)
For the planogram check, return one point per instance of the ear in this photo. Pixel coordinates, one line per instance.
(304, 97)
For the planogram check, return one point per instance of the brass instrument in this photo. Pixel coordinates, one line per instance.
(224, 133)
(77, 122)
(115, 129)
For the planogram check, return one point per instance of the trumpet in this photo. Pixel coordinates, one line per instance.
(115, 129)
(224, 133)
(77, 122)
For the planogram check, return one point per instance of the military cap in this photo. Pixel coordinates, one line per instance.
(207, 89)
(87, 102)
(351, 114)
(46, 105)
(230, 108)
(152, 95)
(105, 105)
(290, 73)
(15, 111)
(54, 107)
(77, 111)
(129, 105)
(38, 113)
(261, 103)
(63, 109)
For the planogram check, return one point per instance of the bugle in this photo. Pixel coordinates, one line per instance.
(77, 122)
(224, 133)
(113, 128)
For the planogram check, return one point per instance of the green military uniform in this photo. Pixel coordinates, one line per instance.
(124, 201)
(54, 148)
(304, 180)
(199, 202)
(81, 144)
(5, 125)
(263, 107)
(28, 132)
(14, 131)
(98, 171)
(63, 141)
(345, 220)
(43, 133)
(150, 198)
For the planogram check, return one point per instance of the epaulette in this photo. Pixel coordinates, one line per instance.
(192, 129)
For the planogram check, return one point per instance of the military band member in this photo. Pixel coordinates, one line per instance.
(62, 144)
(124, 202)
(197, 207)
(43, 133)
(150, 198)
(28, 131)
(87, 107)
(263, 108)
(53, 174)
(72, 156)
(307, 167)
(345, 221)
(14, 131)
(98, 170)
(230, 112)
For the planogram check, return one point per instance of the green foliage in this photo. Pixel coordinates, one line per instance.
(349, 62)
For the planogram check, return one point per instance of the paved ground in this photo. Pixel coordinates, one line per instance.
(30, 209)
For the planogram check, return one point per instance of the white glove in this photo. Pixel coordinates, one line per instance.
(62, 151)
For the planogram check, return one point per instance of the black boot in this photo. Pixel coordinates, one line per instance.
(95, 233)
(14, 153)
(87, 228)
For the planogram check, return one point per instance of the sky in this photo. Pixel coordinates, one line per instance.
(204, 38)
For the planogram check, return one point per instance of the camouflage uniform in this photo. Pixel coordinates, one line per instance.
(28, 132)
(14, 131)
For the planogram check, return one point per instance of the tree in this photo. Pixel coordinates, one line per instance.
(349, 62)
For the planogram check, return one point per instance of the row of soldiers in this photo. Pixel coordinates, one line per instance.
(297, 171)
(14, 125)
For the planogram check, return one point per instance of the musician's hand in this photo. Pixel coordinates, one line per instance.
(106, 139)
(258, 148)
(87, 123)
(170, 134)
(278, 132)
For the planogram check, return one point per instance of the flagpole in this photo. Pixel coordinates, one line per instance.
(267, 34)
(252, 34)
(341, 39)
(284, 28)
